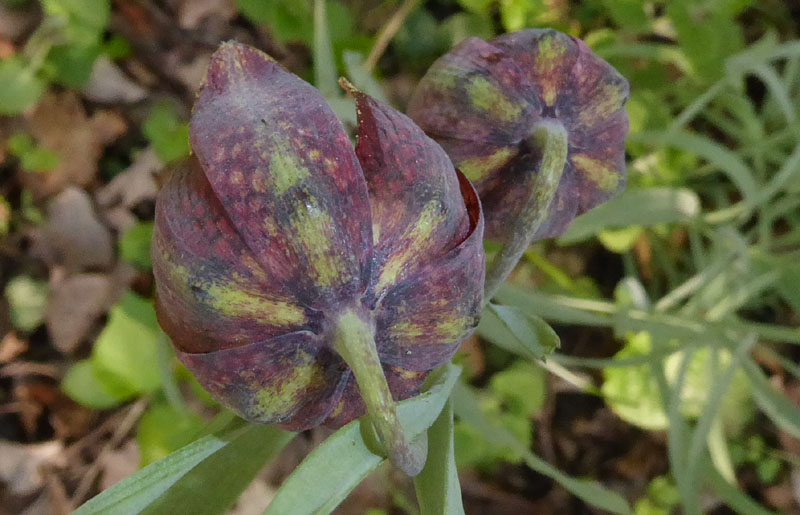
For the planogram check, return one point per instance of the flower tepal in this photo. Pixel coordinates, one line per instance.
(482, 102)
(284, 258)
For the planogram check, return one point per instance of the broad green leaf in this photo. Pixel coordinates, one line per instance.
(707, 33)
(287, 20)
(32, 158)
(134, 245)
(71, 65)
(437, 487)
(168, 135)
(518, 332)
(345, 457)
(163, 429)
(632, 392)
(461, 26)
(521, 388)
(20, 85)
(635, 207)
(86, 19)
(213, 485)
(126, 352)
(154, 482)
(82, 386)
(777, 407)
(628, 14)
(27, 298)
(466, 407)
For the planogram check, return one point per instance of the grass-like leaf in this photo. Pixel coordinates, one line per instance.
(635, 207)
(521, 333)
(468, 410)
(773, 404)
(342, 461)
(243, 450)
(438, 490)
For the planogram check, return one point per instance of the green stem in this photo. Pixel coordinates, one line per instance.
(549, 138)
(354, 341)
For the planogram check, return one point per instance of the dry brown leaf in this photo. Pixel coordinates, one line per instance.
(135, 184)
(73, 235)
(11, 346)
(59, 123)
(20, 468)
(108, 84)
(191, 13)
(119, 463)
(74, 307)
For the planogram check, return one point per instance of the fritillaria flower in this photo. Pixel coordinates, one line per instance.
(483, 101)
(537, 122)
(302, 281)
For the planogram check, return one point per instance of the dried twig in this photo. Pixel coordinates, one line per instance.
(125, 426)
(388, 32)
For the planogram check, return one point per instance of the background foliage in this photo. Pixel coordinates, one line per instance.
(670, 381)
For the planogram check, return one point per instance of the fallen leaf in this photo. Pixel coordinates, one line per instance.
(135, 184)
(118, 464)
(11, 346)
(254, 500)
(20, 468)
(191, 13)
(109, 84)
(60, 124)
(73, 235)
(74, 307)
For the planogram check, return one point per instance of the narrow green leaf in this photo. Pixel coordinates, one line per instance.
(138, 491)
(20, 85)
(82, 386)
(438, 490)
(466, 406)
(731, 495)
(727, 161)
(324, 63)
(522, 333)
(635, 207)
(345, 457)
(214, 485)
(773, 404)
(168, 135)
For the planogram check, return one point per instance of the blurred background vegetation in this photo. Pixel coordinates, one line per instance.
(676, 382)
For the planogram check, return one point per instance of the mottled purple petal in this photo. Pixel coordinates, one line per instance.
(563, 80)
(546, 56)
(592, 102)
(292, 380)
(212, 294)
(474, 93)
(418, 211)
(423, 320)
(286, 174)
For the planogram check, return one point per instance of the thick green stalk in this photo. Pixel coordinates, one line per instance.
(549, 139)
(354, 341)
